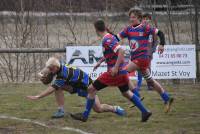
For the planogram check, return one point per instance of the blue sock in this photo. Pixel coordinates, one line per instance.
(165, 97)
(135, 91)
(88, 107)
(139, 80)
(138, 104)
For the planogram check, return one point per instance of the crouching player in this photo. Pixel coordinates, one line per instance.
(115, 75)
(72, 80)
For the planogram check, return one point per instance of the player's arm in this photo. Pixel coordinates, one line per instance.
(122, 35)
(99, 63)
(161, 36)
(121, 39)
(101, 60)
(45, 93)
(156, 32)
(120, 59)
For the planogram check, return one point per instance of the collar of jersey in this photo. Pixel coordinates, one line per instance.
(105, 36)
(137, 26)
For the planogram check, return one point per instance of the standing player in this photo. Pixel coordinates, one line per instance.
(115, 75)
(72, 80)
(138, 36)
(146, 19)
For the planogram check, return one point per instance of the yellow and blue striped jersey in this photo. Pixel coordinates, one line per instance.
(72, 76)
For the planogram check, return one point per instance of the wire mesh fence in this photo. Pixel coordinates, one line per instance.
(44, 24)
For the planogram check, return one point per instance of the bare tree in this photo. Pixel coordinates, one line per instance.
(170, 20)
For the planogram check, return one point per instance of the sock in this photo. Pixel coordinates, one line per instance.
(135, 91)
(115, 109)
(165, 96)
(138, 103)
(139, 80)
(61, 108)
(88, 107)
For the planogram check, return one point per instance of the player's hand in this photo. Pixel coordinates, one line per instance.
(114, 71)
(32, 97)
(96, 66)
(160, 49)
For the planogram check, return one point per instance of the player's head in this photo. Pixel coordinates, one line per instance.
(99, 26)
(135, 15)
(146, 17)
(46, 76)
(53, 64)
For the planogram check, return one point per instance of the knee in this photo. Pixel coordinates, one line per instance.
(150, 81)
(130, 85)
(98, 109)
(126, 94)
(91, 90)
(59, 90)
(147, 77)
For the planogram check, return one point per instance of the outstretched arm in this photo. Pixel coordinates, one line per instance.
(45, 93)
(122, 35)
(101, 60)
(98, 63)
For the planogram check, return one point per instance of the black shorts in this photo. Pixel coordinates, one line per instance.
(98, 85)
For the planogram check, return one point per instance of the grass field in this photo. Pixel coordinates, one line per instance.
(183, 119)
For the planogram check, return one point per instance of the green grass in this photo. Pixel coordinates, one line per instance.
(183, 119)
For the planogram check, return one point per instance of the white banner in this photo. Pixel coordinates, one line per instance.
(177, 61)
(85, 58)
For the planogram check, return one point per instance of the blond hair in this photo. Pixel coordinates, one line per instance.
(52, 61)
(44, 72)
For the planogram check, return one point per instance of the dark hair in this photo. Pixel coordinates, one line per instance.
(136, 10)
(100, 25)
(147, 15)
(109, 31)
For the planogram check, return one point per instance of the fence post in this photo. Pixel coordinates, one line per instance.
(196, 6)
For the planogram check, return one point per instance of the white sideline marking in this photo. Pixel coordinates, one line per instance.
(43, 124)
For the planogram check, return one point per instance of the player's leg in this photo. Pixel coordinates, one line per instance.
(130, 68)
(100, 108)
(92, 89)
(149, 84)
(135, 100)
(139, 80)
(133, 88)
(59, 96)
(157, 87)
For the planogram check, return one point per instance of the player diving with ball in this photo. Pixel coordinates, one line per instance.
(72, 80)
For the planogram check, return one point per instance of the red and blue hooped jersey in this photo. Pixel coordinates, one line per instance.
(139, 40)
(110, 46)
(152, 39)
